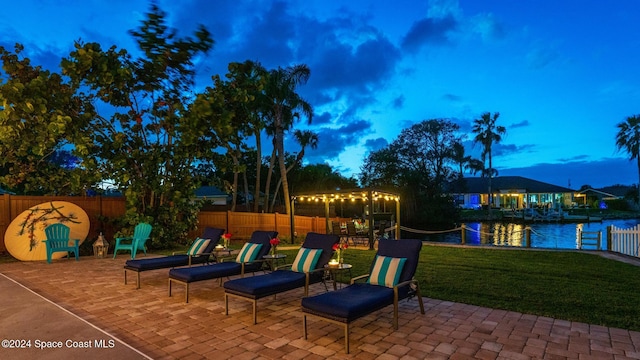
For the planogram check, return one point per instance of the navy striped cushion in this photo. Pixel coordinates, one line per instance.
(198, 246)
(248, 253)
(306, 260)
(386, 271)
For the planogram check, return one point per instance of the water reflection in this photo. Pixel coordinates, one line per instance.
(499, 234)
(543, 235)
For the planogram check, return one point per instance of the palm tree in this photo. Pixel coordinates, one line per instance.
(488, 133)
(284, 104)
(460, 158)
(628, 139)
(252, 76)
(475, 166)
(304, 138)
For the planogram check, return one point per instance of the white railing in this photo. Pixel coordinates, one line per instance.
(624, 241)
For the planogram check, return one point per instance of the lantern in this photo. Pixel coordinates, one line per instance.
(100, 247)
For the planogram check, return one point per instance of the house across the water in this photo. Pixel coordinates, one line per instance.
(510, 192)
(596, 198)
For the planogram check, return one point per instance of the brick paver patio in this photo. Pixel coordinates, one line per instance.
(163, 327)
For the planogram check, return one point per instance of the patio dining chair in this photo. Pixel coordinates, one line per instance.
(306, 269)
(336, 229)
(199, 253)
(356, 238)
(135, 242)
(390, 280)
(249, 259)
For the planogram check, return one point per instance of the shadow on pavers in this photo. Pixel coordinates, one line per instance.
(32, 327)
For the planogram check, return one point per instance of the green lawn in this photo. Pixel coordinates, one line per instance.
(560, 284)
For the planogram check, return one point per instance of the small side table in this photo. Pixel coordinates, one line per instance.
(220, 253)
(334, 270)
(273, 260)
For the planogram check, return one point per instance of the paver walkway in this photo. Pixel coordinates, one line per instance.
(148, 323)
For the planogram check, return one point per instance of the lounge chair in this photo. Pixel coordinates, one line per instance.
(392, 280)
(58, 241)
(244, 263)
(197, 256)
(135, 242)
(303, 272)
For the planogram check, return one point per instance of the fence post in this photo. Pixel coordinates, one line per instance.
(527, 236)
(463, 234)
(275, 221)
(292, 220)
(7, 220)
(609, 235)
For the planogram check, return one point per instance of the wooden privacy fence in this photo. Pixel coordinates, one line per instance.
(11, 206)
(624, 241)
(240, 224)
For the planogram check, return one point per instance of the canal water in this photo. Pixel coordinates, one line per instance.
(543, 235)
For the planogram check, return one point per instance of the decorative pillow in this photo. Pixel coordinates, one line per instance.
(386, 271)
(306, 260)
(198, 246)
(248, 253)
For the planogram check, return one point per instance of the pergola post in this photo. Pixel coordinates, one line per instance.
(326, 215)
(292, 223)
(370, 202)
(397, 218)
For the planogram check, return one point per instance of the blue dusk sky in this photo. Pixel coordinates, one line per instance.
(561, 74)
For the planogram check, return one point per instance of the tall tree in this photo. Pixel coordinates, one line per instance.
(320, 177)
(419, 163)
(285, 106)
(488, 133)
(628, 139)
(304, 138)
(251, 76)
(152, 135)
(41, 115)
(460, 158)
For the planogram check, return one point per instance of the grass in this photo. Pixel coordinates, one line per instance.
(565, 285)
(559, 284)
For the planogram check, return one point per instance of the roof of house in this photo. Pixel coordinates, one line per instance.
(209, 191)
(617, 190)
(599, 193)
(479, 185)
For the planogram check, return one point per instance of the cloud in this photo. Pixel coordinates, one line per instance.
(322, 119)
(375, 144)
(398, 102)
(574, 174)
(428, 31)
(523, 123)
(451, 97)
(350, 60)
(574, 158)
(487, 26)
(540, 56)
(349, 67)
(510, 149)
(333, 141)
(444, 8)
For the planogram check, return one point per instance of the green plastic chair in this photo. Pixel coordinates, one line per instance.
(134, 243)
(58, 241)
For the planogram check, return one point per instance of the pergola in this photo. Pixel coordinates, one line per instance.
(368, 195)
